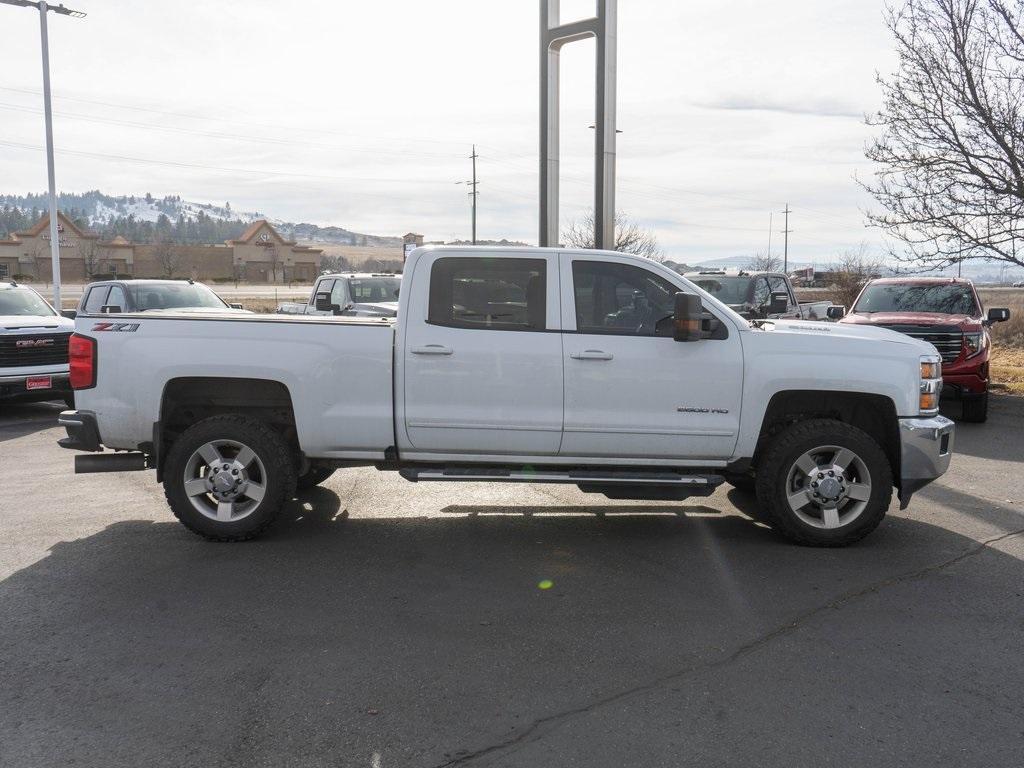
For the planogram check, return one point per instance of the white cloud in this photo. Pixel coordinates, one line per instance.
(362, 114)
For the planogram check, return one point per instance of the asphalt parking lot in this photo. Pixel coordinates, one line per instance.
(385, 624)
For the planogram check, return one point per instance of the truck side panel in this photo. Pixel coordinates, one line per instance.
(337, 372)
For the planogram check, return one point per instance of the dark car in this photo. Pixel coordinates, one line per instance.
(116, 296)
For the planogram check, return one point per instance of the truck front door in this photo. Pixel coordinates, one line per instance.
(481, 356)
(629, 392)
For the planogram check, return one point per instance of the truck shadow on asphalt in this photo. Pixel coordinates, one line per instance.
(999, 438)
(430, 637)
(20, 419)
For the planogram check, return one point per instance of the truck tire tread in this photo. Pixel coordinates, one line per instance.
(276, 453)
(787, 446)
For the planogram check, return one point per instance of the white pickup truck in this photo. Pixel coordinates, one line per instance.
(593, 368)
(350, 295)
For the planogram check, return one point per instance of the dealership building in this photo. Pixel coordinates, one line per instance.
(258, 255)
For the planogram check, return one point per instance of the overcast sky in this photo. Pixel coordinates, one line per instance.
(362, 114)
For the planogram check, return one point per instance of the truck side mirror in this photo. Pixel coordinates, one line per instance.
(836, 312)
(322, 302)
(687, 317)
(70, 314)
(779, 304)
(1000, 315)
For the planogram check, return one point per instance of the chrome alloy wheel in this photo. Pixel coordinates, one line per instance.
(828, 487)
(225, 480)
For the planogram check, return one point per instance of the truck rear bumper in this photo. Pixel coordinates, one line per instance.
(83, 434)
(926, 446)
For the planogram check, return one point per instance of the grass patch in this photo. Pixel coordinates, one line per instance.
(1007, 370)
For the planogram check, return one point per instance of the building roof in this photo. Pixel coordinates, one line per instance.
(118, 242)
(62, 220)
(252, 229)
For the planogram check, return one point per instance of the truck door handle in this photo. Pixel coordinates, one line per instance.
(591, 354)
(431, 349)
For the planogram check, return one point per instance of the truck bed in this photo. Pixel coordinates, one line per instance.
(338, 370)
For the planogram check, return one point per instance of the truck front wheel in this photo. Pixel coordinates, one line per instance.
(227, 477)
(824, 483)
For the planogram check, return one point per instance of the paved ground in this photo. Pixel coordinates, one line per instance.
(388, 624)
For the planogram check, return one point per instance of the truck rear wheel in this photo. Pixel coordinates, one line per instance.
(975, 410)
(227, 477)
(824, 483)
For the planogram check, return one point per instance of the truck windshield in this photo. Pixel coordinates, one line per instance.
(173, 296)
(941, 298)
(372, 289)
(728, 289)
(15, 300)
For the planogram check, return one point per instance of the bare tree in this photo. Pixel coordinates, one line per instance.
(167, 257)
(330, 263)
(851, 271)
(762, 261)
(90, 259)
(950, 152)
(629, 237)
(275, 260)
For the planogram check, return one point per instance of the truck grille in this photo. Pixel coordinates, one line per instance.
(34, 349)
(948, 339)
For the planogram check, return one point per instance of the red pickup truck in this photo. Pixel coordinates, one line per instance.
(945, 312)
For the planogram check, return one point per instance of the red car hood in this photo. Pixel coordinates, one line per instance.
(909, 318)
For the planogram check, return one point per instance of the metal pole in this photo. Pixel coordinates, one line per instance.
(48, 112)
(553, 36)
(474, 194)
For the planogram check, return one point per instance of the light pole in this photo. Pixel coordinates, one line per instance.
(44, 8)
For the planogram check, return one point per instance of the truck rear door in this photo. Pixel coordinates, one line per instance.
(481, 358)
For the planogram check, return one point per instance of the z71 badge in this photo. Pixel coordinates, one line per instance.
(117, 327)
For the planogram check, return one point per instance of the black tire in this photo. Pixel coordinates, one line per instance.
(312, 477)
(779, 461)
(275, 473)
(975, 410)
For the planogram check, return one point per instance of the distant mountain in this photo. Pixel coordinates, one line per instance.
(144, 218)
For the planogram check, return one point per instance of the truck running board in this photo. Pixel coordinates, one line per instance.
(616, 484)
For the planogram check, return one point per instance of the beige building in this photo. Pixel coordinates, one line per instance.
(259, 255)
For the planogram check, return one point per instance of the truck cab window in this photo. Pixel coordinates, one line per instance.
(96, 299)
(497, 294)
(614, 298)
(116, 298)
(762, 294)
(777, 284)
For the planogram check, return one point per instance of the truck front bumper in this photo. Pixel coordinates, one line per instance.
(926, 445)
(15, 386)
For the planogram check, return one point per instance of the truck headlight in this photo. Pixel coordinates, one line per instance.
(930, 385)
(976, 343)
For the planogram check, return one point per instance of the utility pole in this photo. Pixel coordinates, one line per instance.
(473, 187)
(44, 8)
(785, 247)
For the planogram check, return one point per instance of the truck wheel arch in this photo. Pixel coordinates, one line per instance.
(874, 414)
(187, 400)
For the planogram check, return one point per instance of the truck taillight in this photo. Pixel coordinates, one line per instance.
(82, 356)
